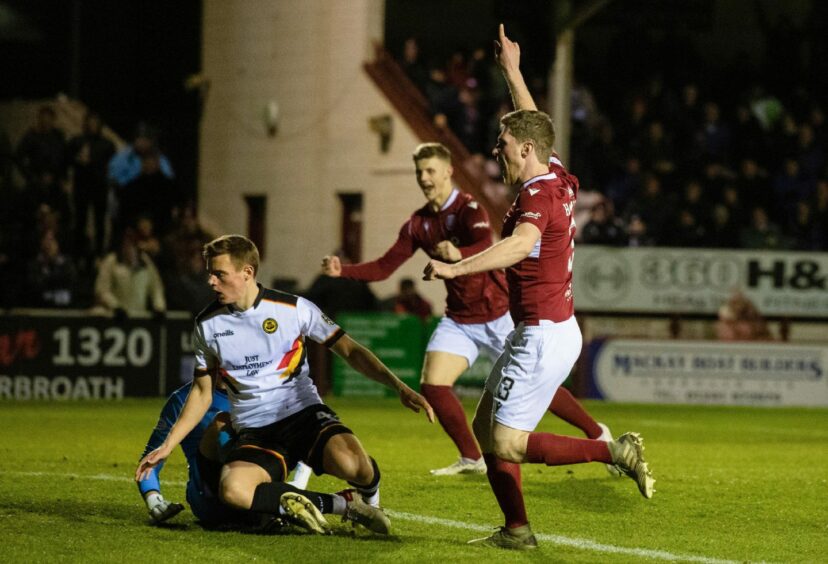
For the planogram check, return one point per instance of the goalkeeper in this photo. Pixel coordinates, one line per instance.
(204, 504)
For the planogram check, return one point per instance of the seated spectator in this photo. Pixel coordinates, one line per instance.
(413, 65)
(409, 301)
(128, 282)
(740, 320)
(145, 237)
(603, 227)
(51, 276)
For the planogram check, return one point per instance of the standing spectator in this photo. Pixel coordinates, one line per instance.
(762, 233)
(409, 301)
(128, 164)
(151, 195)
(413, 65)
(88, 156)
(41, 149)
(51, 277)
(128, 281)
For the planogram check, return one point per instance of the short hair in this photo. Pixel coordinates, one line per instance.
(428, 150)
(534, 126)
(241, 250)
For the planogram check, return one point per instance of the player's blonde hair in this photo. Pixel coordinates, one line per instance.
(428, 150)
(534, 126)
(241, 250)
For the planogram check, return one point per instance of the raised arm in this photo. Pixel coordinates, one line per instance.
(507, 55)
(367, 363)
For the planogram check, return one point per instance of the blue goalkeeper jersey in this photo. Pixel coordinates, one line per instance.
(169, 415)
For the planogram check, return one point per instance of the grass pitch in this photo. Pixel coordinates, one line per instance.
(733, 484)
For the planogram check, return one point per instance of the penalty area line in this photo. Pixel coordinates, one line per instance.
(581, 544)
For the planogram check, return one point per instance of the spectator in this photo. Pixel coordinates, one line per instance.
(413, 65)
(88, 156)
(638, 234)
(128, 164)
(603, 227)
(52, 277)
(724, 230)
(128, 282)
(152, 195)
(762, 233)
(185, 285)
(41, 149)
(409, 301)
(740, 320)
(654, 207)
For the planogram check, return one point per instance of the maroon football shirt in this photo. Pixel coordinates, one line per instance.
(477, 298)
(540, 286)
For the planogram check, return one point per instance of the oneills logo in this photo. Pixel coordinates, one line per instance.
(269, 325)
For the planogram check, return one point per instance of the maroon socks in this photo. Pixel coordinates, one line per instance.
(452, 417)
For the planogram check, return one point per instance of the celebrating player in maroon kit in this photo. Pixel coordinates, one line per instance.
(537, 249)
(452, 226)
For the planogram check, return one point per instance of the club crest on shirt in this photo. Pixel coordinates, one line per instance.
(269, 325)
(450, 221)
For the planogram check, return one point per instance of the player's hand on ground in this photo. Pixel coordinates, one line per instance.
(436, 270)
(414, 401)
(507, 52)
(447, 251)
(160, 509)
(150, 461)
(331, 266)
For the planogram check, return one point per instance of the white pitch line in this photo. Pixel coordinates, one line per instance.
(582, 544)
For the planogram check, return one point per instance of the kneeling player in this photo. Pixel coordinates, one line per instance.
(253, 339)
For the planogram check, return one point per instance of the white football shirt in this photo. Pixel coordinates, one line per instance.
(260, 354)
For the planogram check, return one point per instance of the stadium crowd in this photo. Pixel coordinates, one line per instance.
(92, 227)
(674, 161)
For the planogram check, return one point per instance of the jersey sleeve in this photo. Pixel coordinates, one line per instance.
(205, 359)
(316, 325)
(380, 269)
(476, 222)
(535, 208)
(169, 415)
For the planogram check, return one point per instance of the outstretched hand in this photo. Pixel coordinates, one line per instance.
(414, 401)
(331, 266)
(507, 52)
(150, 461)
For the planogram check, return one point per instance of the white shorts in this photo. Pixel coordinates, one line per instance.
(537, 360)
(467, 339)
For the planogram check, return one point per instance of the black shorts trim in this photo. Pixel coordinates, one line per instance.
(271, 461)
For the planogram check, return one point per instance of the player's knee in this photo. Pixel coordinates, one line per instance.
(507, 450)
(234, 494)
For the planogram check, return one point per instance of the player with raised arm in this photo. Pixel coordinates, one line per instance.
(536, 249)
(253, 338)
(450, 227)
(201, 497)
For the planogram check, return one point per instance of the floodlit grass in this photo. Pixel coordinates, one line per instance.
(732, 483)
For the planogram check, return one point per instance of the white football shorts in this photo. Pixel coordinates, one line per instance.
(536, 361)
(467, 340)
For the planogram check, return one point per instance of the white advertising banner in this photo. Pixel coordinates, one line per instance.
(666, 280)
(699, 372)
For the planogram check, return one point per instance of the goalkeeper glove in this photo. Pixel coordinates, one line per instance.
(160, 509)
